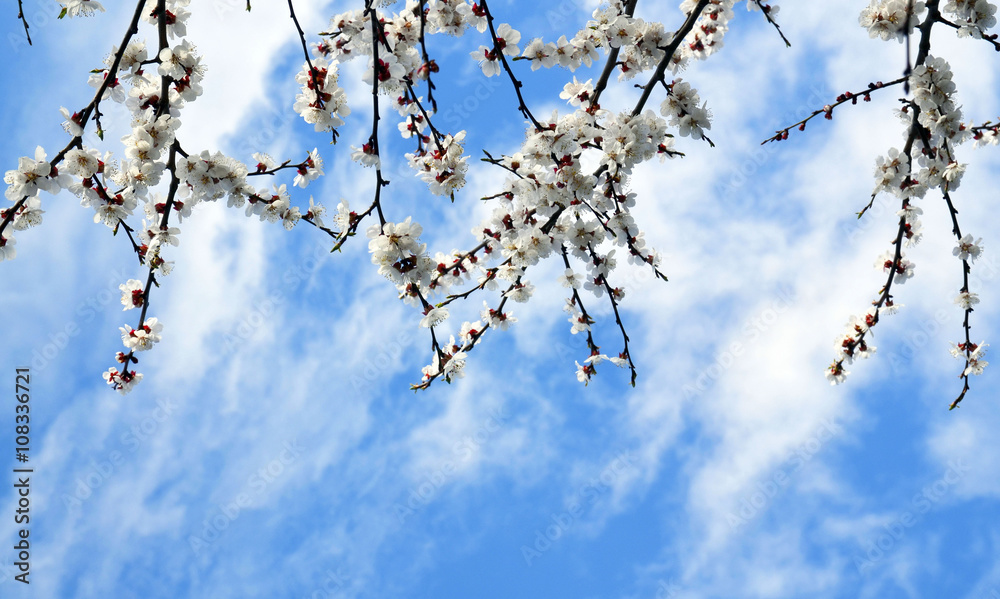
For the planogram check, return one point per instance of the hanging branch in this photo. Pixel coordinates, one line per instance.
(305, 51)
(498, 49)
(766, 9)
(20, 15)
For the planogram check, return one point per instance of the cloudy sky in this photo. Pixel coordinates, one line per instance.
(274, 449)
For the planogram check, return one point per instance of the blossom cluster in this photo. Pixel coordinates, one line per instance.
(550, 207)
(395, 64)
(153, 84)
(973, 17)
(23, 185)
(891, 19)
(566, 196)
(321, 101)
(934, 128)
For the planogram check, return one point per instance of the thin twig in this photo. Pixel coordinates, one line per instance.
(20, 15)
(766, 9)
(305, 51)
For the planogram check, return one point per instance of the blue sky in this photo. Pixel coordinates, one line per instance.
(274, 449)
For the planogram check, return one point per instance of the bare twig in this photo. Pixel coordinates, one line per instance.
(20, 15)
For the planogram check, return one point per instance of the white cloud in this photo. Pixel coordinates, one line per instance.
(771, 265)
